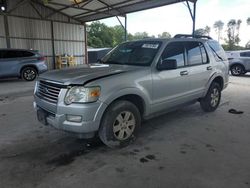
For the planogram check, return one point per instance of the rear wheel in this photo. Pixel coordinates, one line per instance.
(120, 124)
(29, 73)
(212, 99)
(237, 70)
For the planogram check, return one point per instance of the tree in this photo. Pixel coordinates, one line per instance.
(248, 43)
(165, 35)
(140, 35)
(203, 32)
(200, 31)
(233, 28)
(99, 35)
(208, 30)
(118, 34)
(248, 21)
(218, 26)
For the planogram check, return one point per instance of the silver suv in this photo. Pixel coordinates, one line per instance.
(25, 64)
(135, 81)
(239, 62)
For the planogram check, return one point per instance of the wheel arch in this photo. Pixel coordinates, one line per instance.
(237, 63)
(25, 66)
(215, 78)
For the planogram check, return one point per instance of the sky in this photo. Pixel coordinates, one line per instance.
(176, 18)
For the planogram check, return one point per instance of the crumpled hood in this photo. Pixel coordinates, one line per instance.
(84, 73)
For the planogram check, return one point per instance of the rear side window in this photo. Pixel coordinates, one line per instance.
(174, 51)
(245, 54)
(196, 53)
(27, 54)
(217, 50)
(15, 54)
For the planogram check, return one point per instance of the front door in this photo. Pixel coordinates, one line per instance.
(171, 87)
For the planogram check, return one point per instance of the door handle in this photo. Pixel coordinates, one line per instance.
(209, 68)
(184, 73)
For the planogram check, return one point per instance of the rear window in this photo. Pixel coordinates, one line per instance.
(217, 50)
(245, 54)
(15, 54)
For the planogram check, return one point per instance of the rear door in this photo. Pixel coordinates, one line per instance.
(245, 58)
(9, 62)
(198, 67)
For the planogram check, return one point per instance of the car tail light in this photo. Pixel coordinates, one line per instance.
(41, 58)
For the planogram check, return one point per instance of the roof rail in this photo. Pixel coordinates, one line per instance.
(191, 36)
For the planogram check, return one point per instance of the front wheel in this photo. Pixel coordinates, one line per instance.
(212, 99)
(29, 73)
(120, 124)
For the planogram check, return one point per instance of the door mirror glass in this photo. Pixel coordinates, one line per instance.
(167, 64)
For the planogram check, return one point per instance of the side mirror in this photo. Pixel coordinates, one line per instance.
(167, 64)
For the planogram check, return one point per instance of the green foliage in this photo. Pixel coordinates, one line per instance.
(165, 35)
(203, 32)
(100, 35)
(226, 47)
(248, 45)
(233, 39)
(218, 26)
(248, 21)
(140, 35)
(200, 32)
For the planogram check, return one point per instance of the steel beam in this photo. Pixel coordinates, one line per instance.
(124, 26)
(20, 3)
(41, 4)
(7, 33)
(192, 14)
(53, 44)
(81, 8)
(36, 10)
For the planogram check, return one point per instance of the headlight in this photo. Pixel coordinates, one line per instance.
(80, 94)
(36, 86)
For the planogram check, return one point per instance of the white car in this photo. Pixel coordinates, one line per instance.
(239, 62)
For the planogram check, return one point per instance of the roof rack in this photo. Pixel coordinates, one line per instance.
(192, 36)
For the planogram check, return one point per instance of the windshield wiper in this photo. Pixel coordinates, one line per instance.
(113, 62)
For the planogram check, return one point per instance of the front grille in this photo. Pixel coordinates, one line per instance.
(48, 91)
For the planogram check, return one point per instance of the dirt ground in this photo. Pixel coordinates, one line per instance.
(183, 149)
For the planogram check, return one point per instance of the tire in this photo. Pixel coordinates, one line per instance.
(237, 70)
(29, 73)
(212, 99)
(120, 124)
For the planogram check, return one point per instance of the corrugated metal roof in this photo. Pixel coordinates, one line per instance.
(90, 10)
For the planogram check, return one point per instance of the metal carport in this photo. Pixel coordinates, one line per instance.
(90, 10)
(82, 11)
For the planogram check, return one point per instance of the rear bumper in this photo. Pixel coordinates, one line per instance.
(42, 67)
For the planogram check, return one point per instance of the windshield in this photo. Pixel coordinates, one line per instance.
(139, 53)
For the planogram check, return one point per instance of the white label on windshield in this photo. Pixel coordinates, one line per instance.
(152, 46)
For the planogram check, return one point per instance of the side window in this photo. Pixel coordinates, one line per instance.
(27, 54)
(204, 54)
(245, 54)
(194, 53)
(12, 54)
(217, 50)
(1, 54)
(174, 51)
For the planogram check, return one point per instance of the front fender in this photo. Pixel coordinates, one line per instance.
(128, 91)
